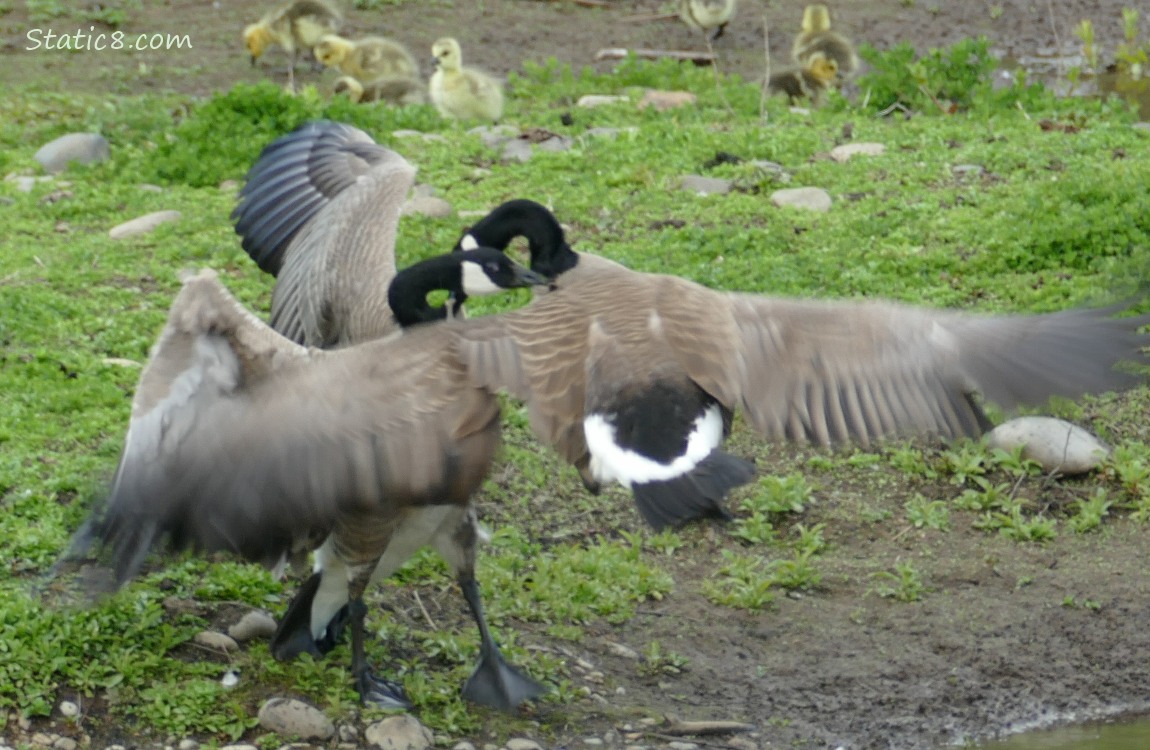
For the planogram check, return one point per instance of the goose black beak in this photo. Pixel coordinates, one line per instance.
(527, 277)
(435, 62)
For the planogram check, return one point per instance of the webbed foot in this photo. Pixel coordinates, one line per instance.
(380, 692)
(497, 684)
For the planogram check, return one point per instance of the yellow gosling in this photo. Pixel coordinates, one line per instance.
(366, 59)
(462, 93)
(294, 26)
(704, 15)
(397, 90)
(816, 37)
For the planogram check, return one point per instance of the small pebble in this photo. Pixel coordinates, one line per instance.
(254, 624)
(294, 718)
(1054, 443)
(844, 152)
(598, 100)
(680, 745)
(522, 743)
(142, 224)
(188, 744)
(69, 710)
(464, 745)
(810, 198)
(348, 733)
(65, 743)
(664, 100)
(704, 185)
(403, 732)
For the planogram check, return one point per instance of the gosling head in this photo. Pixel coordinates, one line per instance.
(350, 86)
(824, 69)
(257, 37)
(816, 17)
(446, 54)
(332, 49)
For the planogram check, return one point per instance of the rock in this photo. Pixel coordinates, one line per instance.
(69, 710)
(426, 205)
(1143, 126)
(516, 149)
(254, 624)
(463, 745)
(592, 742)
(704, 185)
(348, 733)
(1054, 443)
(680, 745)
(522, 743)
(844, 152)
(142, 224)
(25, 184)
(664, 100)
(84, 148)
(147, 187)
(65, 743)
(241, 746)
(229, 185)
(403, 732)
(810, 198)
(294, 718)
(598, 100)
(618, 649)
(555, 143)
(494, 136)
(216, 640)
(188, 744)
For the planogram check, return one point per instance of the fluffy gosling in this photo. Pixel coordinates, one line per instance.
(811, 81)
(366, 59)
(397, 90)
(816, 37)
(294, 26)
(462, 93)
(705, 15)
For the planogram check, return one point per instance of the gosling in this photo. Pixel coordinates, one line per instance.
(816, 36)
(367, 59)
(297, 25)
(396, 90)
(704, 15)
(461, 93)
(811, 81)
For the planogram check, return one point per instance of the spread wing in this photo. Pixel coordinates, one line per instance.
(828, 372)
(259, 450)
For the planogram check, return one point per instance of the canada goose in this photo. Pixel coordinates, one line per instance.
(705, 15)
(816, 36)
(398, 90)
(462, 93)
(810, 81)
(241, 440)
(320, 211)
(634, 376)
(366, 59)
(294, 26)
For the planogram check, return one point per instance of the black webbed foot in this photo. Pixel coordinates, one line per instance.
(497, 684)
(381, 692)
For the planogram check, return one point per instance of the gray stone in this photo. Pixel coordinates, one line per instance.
(142, 224)
(294, 718)
(241, 746)
(618, 649)
(228, 185)
(522, 743)
(1057, 445)
(555, 143)
(664, 100)
(254, 624)
(216, 640)
(419, 134)
(188, 744)
(84, 148)
(65, 743)
(463, 745)
(427, 205)
(810, 198)
(69, 709)
(704, 185)
(598, 100)
(609, 132)
(680, 745)
(516, 149)
(348, 733)
(403, 732)
(25, 184)
(844, 152)
(494, 136)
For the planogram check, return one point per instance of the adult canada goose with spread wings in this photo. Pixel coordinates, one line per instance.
(320, 211)
(633, 377)
(242, 440)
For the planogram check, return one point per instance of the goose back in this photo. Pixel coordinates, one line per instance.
(320, 210)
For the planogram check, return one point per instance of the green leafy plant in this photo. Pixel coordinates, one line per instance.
(904, 584)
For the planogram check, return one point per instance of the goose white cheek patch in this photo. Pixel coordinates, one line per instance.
(477, 283)
(612, 462)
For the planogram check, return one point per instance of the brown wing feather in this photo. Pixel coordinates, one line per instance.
(217, 460)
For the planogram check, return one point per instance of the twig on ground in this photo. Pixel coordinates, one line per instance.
(430, 623)
(619, 53)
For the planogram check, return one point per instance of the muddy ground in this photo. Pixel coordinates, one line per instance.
(991, 648)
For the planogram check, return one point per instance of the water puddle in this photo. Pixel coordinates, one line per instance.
(1125, 735)
(1057, 72)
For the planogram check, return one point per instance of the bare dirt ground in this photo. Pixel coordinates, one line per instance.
(990, 649)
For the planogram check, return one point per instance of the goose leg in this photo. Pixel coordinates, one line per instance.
(373, 690)
(494, 682)
(294, 637)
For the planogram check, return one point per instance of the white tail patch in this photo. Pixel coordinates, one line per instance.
(468, 242)
(612, 462)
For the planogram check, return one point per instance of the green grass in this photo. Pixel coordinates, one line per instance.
(1054, 219)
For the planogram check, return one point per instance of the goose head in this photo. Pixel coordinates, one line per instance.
(550, 253)
(474, 273)
(446, 55)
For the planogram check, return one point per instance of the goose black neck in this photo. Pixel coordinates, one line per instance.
(407, 295)
(550, 253)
